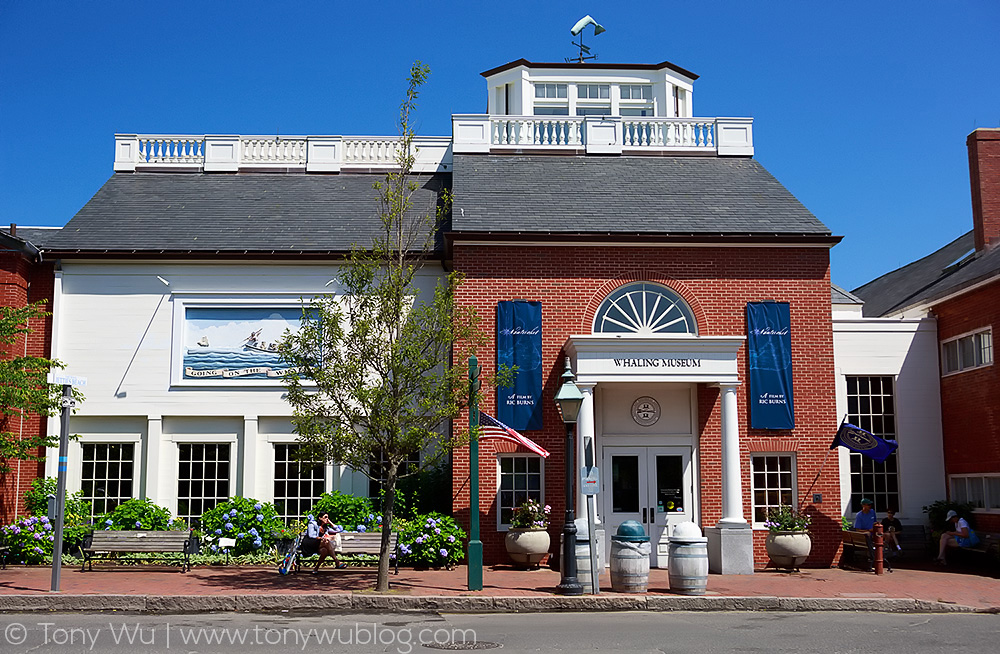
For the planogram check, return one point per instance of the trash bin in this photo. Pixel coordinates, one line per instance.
(630, 558)
(687, 565)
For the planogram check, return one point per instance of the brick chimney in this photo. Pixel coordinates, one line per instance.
(984, 174)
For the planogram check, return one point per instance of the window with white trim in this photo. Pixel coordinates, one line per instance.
(644, 308)
(202, 478)
(107, 475)
(297, 484)
(772, 483)
(871, 405)
(551, 100)
(521, 478)
(378, 471)
(982, 491)
(966, 352)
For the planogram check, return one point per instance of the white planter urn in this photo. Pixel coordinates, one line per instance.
(527, 547)
(788, 549)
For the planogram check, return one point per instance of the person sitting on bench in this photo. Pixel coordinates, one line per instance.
(865, 519)
(962, 536)
(892, 529)
(327, 545)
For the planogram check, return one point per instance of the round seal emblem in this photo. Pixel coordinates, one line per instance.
(646, 411)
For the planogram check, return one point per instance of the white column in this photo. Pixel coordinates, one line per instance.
(154, 466)
(732, 480)
(584, 437)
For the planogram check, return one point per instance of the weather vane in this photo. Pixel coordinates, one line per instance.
(584, 50)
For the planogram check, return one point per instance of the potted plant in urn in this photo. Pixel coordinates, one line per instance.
(788, 542)
(527, 539)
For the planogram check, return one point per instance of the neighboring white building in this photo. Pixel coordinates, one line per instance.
(888, 383)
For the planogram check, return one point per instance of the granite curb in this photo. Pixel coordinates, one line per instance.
(374, 603)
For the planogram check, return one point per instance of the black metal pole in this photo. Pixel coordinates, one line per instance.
(67, 405)
(569, 585)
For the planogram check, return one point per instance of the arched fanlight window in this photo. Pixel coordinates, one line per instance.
(644, 308)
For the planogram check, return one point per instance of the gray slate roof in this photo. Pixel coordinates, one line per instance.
(37, 236)
(940, 273)
(624, 195)
(202, 213)
(840, 296)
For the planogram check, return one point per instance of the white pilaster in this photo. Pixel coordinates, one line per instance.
(152, 465)
(732, 480)
(584, 439)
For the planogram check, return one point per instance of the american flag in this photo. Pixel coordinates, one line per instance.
(490, 427)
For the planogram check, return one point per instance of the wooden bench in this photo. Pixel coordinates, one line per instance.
(100, 544)
(354, 543)
(858, 543)
(988, 547)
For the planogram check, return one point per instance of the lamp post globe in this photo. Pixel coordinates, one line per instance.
(569, 399)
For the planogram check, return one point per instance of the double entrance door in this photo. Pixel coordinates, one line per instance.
(651, 485)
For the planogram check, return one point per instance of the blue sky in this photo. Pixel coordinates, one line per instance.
(861, 109)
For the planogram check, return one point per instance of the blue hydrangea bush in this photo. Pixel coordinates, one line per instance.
(431, 540)
(250, 522)
(30, 540)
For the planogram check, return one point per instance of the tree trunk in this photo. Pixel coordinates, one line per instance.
(388, 502)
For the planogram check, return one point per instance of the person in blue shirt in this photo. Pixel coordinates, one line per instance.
(865, 519)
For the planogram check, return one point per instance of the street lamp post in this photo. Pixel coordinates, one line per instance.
(569, 399)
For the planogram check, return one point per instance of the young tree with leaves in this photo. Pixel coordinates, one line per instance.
(24, 389)
(372, 376)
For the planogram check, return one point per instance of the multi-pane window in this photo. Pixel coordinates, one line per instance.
(593, 91)
(982, 491)
(871, 406)
(773, 483)
(377, 473)
(644, 308)
(108, 474)
(297, 484)
(636, 92)
(520, 480)
(202, 478)
(969, 351)
(553, 91)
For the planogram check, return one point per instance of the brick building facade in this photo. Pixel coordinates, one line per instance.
(24, 279)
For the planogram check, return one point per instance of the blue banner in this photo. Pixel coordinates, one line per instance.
(864, 442)
(519, 343)
(769, 344)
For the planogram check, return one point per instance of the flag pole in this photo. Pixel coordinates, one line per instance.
(820, 471)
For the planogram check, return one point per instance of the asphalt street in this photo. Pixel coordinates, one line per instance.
(674, 632)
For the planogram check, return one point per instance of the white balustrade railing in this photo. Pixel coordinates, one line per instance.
(170, 149)
(666, 133)
(478, 133)
(536, 131)
(314, 153)
(267, 150)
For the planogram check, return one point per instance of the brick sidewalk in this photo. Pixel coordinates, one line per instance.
(946, 585)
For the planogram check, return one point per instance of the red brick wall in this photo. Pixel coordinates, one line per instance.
(970, 410)
(984, 175)
(22, 282)
(571, 281)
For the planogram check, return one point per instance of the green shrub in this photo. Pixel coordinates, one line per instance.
(431, 539)
(250, 522)
(137, 514)
(77, 521)
(937, 511)
(348, 511)
(30, 539)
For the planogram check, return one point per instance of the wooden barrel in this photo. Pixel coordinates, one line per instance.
(688, 566)
(629, 564)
